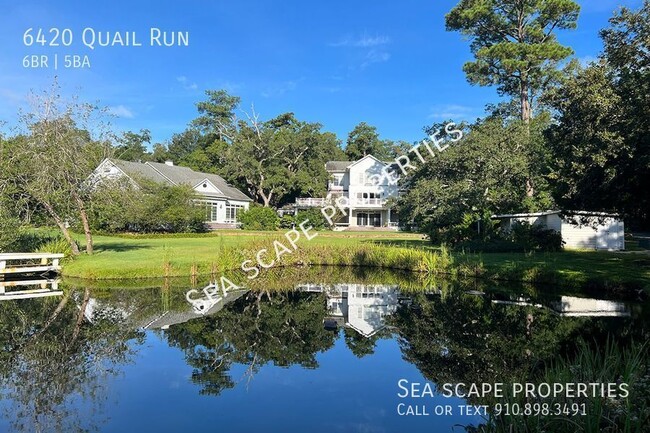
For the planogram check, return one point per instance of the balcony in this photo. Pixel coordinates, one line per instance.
(367, 202)
(333, 187)
(344, 202)
(311, 202)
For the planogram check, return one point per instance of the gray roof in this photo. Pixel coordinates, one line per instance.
(337, 165)
(177, 175)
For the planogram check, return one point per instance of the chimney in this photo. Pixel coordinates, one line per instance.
(169, 163)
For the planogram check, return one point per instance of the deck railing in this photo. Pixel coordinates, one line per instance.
(311, 202)
(322, 202)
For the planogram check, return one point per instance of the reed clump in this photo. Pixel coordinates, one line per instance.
(610, 363)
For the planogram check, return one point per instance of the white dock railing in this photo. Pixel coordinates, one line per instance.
(29, 263)
(27, 289)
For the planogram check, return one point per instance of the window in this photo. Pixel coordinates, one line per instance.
(232, 212)
(211, 211)
(338, 180)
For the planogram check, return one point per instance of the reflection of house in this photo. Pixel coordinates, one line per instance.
(572, 306)
(362, 307)
(583, 230)
(362, 189)
(223, 201)
(162, 320)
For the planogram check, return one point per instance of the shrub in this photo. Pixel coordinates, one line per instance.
(536, 238)
(8, 231)
(521, 237)
(287, 221)
(30, 240)
(315, 217)
(472, 227)
(259, 218)
(152, 208)
(58, 245)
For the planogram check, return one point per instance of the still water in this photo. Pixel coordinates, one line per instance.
(323, 353)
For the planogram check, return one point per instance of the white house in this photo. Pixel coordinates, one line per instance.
(366, 189)
(223, 201)
(579, 229)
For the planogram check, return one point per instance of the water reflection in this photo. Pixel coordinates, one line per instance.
(52, 363)
(571, 306)
(362, 307)
(32, 288)
(60, 354)
(162, 319)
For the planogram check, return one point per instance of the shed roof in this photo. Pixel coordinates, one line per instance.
(556, 212)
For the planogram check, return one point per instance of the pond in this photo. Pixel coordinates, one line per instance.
(320, 351)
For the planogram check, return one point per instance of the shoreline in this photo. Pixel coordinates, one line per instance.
(120, 258)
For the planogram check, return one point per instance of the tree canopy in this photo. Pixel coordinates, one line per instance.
(601, 156)
(514, 43)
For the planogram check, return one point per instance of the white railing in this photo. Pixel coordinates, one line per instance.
(311, 202)
(321, 202)
(29, 263)
(367, 202)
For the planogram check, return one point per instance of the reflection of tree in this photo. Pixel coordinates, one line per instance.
(283, 328)
(52, 359)
(359, 344)
(469, 339)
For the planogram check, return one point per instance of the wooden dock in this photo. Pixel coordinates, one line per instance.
(29, 263)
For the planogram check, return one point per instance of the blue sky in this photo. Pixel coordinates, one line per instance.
(390, 64)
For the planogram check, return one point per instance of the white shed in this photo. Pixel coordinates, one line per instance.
(579, 229)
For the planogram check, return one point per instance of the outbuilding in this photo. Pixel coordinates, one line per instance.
(579, 229)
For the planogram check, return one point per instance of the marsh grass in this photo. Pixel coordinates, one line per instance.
(590, 364)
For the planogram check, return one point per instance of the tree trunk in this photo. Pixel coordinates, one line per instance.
(62, 227)
(55, 314)
(84, 220)
(524, 101)
(266, 198)
(530, 189)
(80, 317)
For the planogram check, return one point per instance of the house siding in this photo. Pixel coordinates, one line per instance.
(607, 234)
(595, 232)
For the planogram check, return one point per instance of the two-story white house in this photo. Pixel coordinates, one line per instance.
(223, 202)
(367, 191)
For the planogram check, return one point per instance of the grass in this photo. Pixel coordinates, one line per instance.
(584, 269)
(627, 412)
(151, 256)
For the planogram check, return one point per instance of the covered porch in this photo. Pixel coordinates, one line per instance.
(369, 219)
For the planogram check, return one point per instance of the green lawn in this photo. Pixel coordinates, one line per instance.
(182, 255)
(598, 269)
(145, 256)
